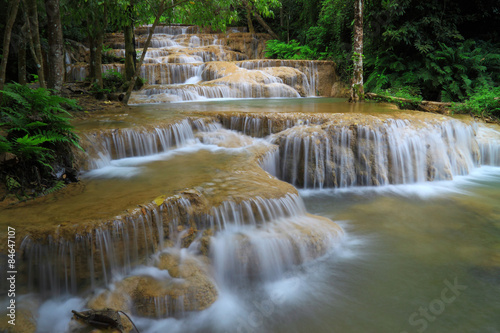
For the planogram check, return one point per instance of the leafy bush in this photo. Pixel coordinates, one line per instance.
(456, 71)
(36, 136)
(292, 50)
(484, 101)
(112, 79)
(446, 73)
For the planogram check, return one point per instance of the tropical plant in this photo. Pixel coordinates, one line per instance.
(292, 50)
(483, 102)
(112, 79)
(37, 134)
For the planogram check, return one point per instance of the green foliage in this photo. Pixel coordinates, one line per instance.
(112, 80)
(455, 71)
(377, 80)
(446, 74)
(484, 101)
(432, 45)
(56, 187)
(279, 50)
(37, 132)
(292, 50)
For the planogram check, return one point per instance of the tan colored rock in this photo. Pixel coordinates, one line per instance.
(25, 323)
(26, 316)
(188, 289)
(339, 89)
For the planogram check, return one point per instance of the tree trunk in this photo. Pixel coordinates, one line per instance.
(282, 20)
(249, 21)
(357, 90)
(96, 40)
(260, 19)
(35, 38)
(98, 58)
(91, 55)
(55, 75)
(130, 54)
(11, 18)
(21, 61)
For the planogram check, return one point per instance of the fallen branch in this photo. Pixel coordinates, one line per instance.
(427, 106)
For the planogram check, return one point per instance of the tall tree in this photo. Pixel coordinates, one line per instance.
(21, 56)
(248, 12)
(128, 33)
(31, 16)
(56, 47)
(357, 91)
(97, 18)
(11, 18)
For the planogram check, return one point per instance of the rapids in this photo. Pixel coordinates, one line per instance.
(263, 215)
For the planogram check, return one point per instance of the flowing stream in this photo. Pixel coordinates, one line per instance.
(267, 215)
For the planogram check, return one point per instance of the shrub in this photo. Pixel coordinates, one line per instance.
(292, 50)
(484, 101)
(447, 73)
(37, 138)
(112, 80)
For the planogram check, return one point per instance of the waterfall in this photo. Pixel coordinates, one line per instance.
(174, 67)
(67, 265)
(392, 152)
(242, 228)
(489, 145)
(122, 143)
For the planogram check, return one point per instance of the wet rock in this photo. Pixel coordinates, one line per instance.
(181, 285)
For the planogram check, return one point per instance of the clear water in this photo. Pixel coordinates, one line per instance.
(413, 242)
(415, 258)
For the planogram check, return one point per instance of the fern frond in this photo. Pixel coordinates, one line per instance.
(57, 186)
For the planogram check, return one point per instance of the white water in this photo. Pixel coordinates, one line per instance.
(174, 70)
(394, 152)
(277, 269)
(368, 272)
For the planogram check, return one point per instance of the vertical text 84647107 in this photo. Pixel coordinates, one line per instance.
(11, 274)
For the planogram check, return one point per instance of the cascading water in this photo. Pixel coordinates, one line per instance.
(188, 226)
(118, 144)
(184, 65)
(389, 152)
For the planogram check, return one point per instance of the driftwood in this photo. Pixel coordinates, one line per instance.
(103, 319)
(427, 106)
